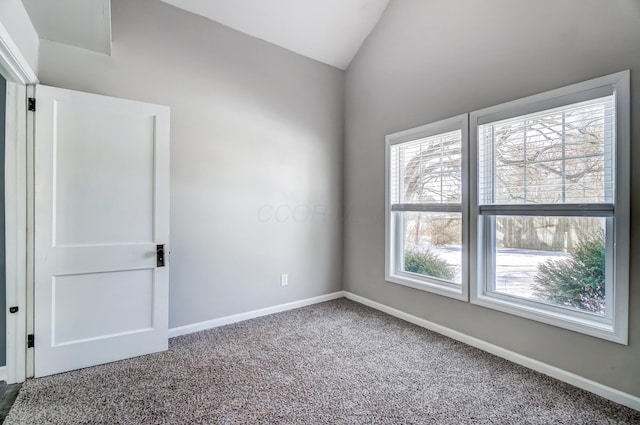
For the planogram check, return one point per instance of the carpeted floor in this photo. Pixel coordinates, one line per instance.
(332, 363)
(8, 394)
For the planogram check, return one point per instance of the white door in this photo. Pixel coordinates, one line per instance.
(101, 210)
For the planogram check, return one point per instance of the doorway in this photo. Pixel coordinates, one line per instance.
(3, 265)
(18, 75)
(8, 392)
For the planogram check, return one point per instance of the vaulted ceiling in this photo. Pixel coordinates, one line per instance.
(329, 31)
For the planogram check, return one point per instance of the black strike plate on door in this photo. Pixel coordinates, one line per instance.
(160, 255)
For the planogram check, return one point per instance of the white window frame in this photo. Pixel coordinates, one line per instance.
(394, 244)
(612, 328)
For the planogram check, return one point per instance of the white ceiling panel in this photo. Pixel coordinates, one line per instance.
(80, 23)
(329, 31)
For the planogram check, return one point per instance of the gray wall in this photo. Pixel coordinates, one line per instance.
(429, 60)
(255, 129)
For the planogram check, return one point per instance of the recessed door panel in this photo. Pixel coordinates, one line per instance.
(103, 191)
(125, 305)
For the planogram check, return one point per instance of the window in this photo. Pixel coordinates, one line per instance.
(526, 213)
(551, 207)
(426, 212)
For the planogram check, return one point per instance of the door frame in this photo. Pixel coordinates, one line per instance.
(18, 199)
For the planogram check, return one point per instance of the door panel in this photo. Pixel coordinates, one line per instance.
(101, 207)
(103, 191)
(78, 317)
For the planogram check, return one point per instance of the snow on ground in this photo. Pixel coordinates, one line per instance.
(515, 268)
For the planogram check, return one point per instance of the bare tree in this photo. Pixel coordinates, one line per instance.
(433, 175)
(553, 158)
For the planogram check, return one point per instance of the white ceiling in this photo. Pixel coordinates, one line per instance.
(329, 31)
(80, 23)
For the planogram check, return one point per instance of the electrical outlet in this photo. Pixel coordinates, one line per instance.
(284, 279)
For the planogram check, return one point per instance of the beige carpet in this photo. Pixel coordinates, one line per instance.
(332, 363)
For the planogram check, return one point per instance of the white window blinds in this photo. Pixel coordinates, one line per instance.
(427, 171)
(559, 156)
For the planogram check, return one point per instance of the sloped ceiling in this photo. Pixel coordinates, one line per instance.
(329, 31)
(81, 23)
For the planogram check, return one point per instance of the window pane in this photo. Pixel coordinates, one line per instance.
(563, 155)
(427, 170)
(433, 245)
(553, 260)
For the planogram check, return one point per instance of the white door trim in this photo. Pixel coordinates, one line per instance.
(18, 73)
(16, 231)
(13, 65)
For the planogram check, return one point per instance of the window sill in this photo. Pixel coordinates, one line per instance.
(599, 328)
(427, 285)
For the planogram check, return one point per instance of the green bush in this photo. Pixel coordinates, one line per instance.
(577, 281)
(427, 263)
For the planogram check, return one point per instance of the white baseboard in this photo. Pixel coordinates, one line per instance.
(209, 324)
(560, 374)
(3, 373)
